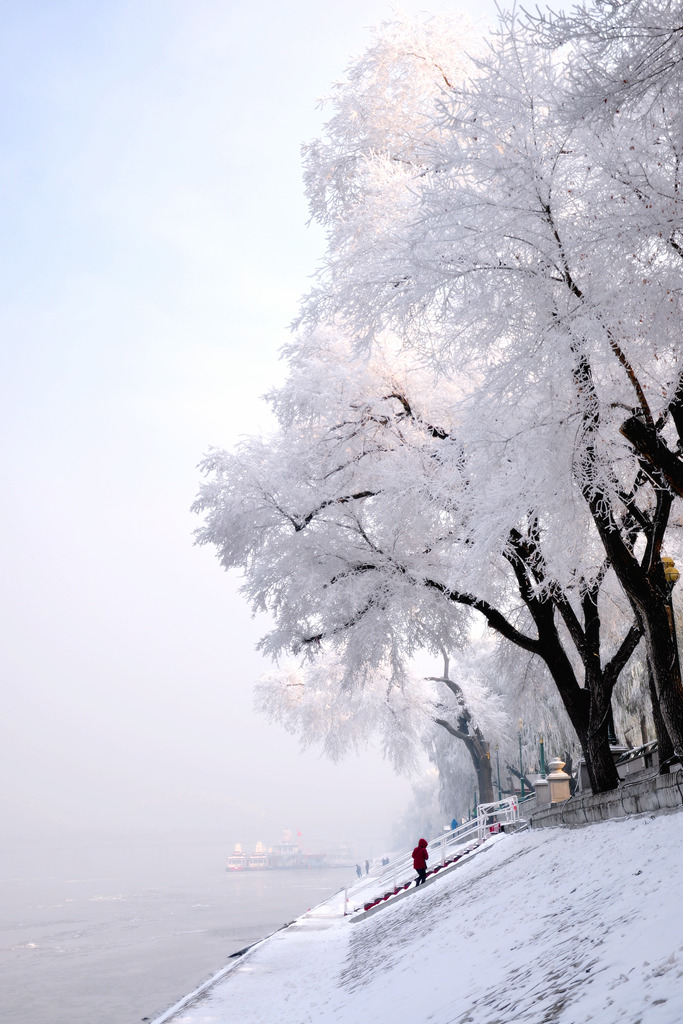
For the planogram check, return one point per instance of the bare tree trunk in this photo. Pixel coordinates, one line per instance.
(648, 594)
(481, 759)
(471, 736)
(666, 672)
(478, 750)
(588, 709)
(644, 581)
(602, 770)
(665, 748)
(589, 706)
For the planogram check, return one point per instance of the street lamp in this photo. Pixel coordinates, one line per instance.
(521, 763)
(542, 758)
(671, 575)
(500, 793)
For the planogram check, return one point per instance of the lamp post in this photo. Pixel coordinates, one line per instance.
(542, 759)
(521, 763)
(671, 575)
(500, 792)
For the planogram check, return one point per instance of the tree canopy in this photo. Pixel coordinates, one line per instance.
(485, 400)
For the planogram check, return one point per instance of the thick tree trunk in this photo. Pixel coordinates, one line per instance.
(471, 736)
(602, 771)
(666, 672)
(643, 582)
(587, 706)
(481, 759)
(651, 596)
(647, 590)
(478, 750)
(524, 556)
(587, 709)
(665, 748)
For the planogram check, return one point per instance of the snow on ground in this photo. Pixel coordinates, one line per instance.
(554, 926)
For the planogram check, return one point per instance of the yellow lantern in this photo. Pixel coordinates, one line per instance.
(671, 573)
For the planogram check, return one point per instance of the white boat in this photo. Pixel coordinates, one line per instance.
(238, 861)
(286, 854)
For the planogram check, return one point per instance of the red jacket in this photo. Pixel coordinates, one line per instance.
(420, 855)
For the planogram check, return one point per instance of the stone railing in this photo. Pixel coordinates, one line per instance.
(656, 793)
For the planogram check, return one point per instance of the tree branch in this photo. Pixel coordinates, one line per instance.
(518, 775)
(494, 618)
(434, 431)
(454, 732)
(657, 455)
(301, 524)
(618, 661)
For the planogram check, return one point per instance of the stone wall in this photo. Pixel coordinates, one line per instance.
(658, 793)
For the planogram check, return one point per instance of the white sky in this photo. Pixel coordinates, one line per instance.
(154, 251)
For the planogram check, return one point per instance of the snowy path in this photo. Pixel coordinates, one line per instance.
(556, 926)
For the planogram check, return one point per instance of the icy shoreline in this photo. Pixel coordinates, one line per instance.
(236, 958)
(557, 926)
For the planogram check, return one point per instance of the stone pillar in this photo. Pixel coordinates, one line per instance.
(542, 787)
(558, 781)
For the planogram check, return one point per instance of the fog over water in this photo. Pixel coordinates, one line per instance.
(154, 252)
(121, 931)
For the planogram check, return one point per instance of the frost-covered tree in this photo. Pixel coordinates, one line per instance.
(525, 257)
(625, 86)
(518, 289)
(366, 526)
(384, 111)
(323, 707)
(458, 717)
(320, 705)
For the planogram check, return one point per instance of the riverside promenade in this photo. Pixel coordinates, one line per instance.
(555, 926)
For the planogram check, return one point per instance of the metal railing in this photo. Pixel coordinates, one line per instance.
(492, 817)
(384, 881)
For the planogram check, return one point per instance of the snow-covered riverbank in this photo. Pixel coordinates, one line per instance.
(556, 926)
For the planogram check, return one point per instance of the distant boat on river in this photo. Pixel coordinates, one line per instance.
(286, 854)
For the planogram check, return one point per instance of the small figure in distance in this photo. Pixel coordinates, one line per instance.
(454, 824)
(359, 871)
(420, 856)
(367, 867)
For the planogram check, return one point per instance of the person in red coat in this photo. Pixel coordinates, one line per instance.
(420, 856)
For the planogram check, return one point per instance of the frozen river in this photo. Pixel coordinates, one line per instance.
(114, 934)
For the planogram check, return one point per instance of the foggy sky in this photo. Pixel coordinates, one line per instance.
(154, 249)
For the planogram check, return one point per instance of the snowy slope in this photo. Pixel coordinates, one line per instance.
(555, 926)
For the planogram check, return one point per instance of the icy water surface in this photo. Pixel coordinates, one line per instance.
(111, 935)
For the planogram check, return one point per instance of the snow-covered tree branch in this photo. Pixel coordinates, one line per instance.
(483, 417)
